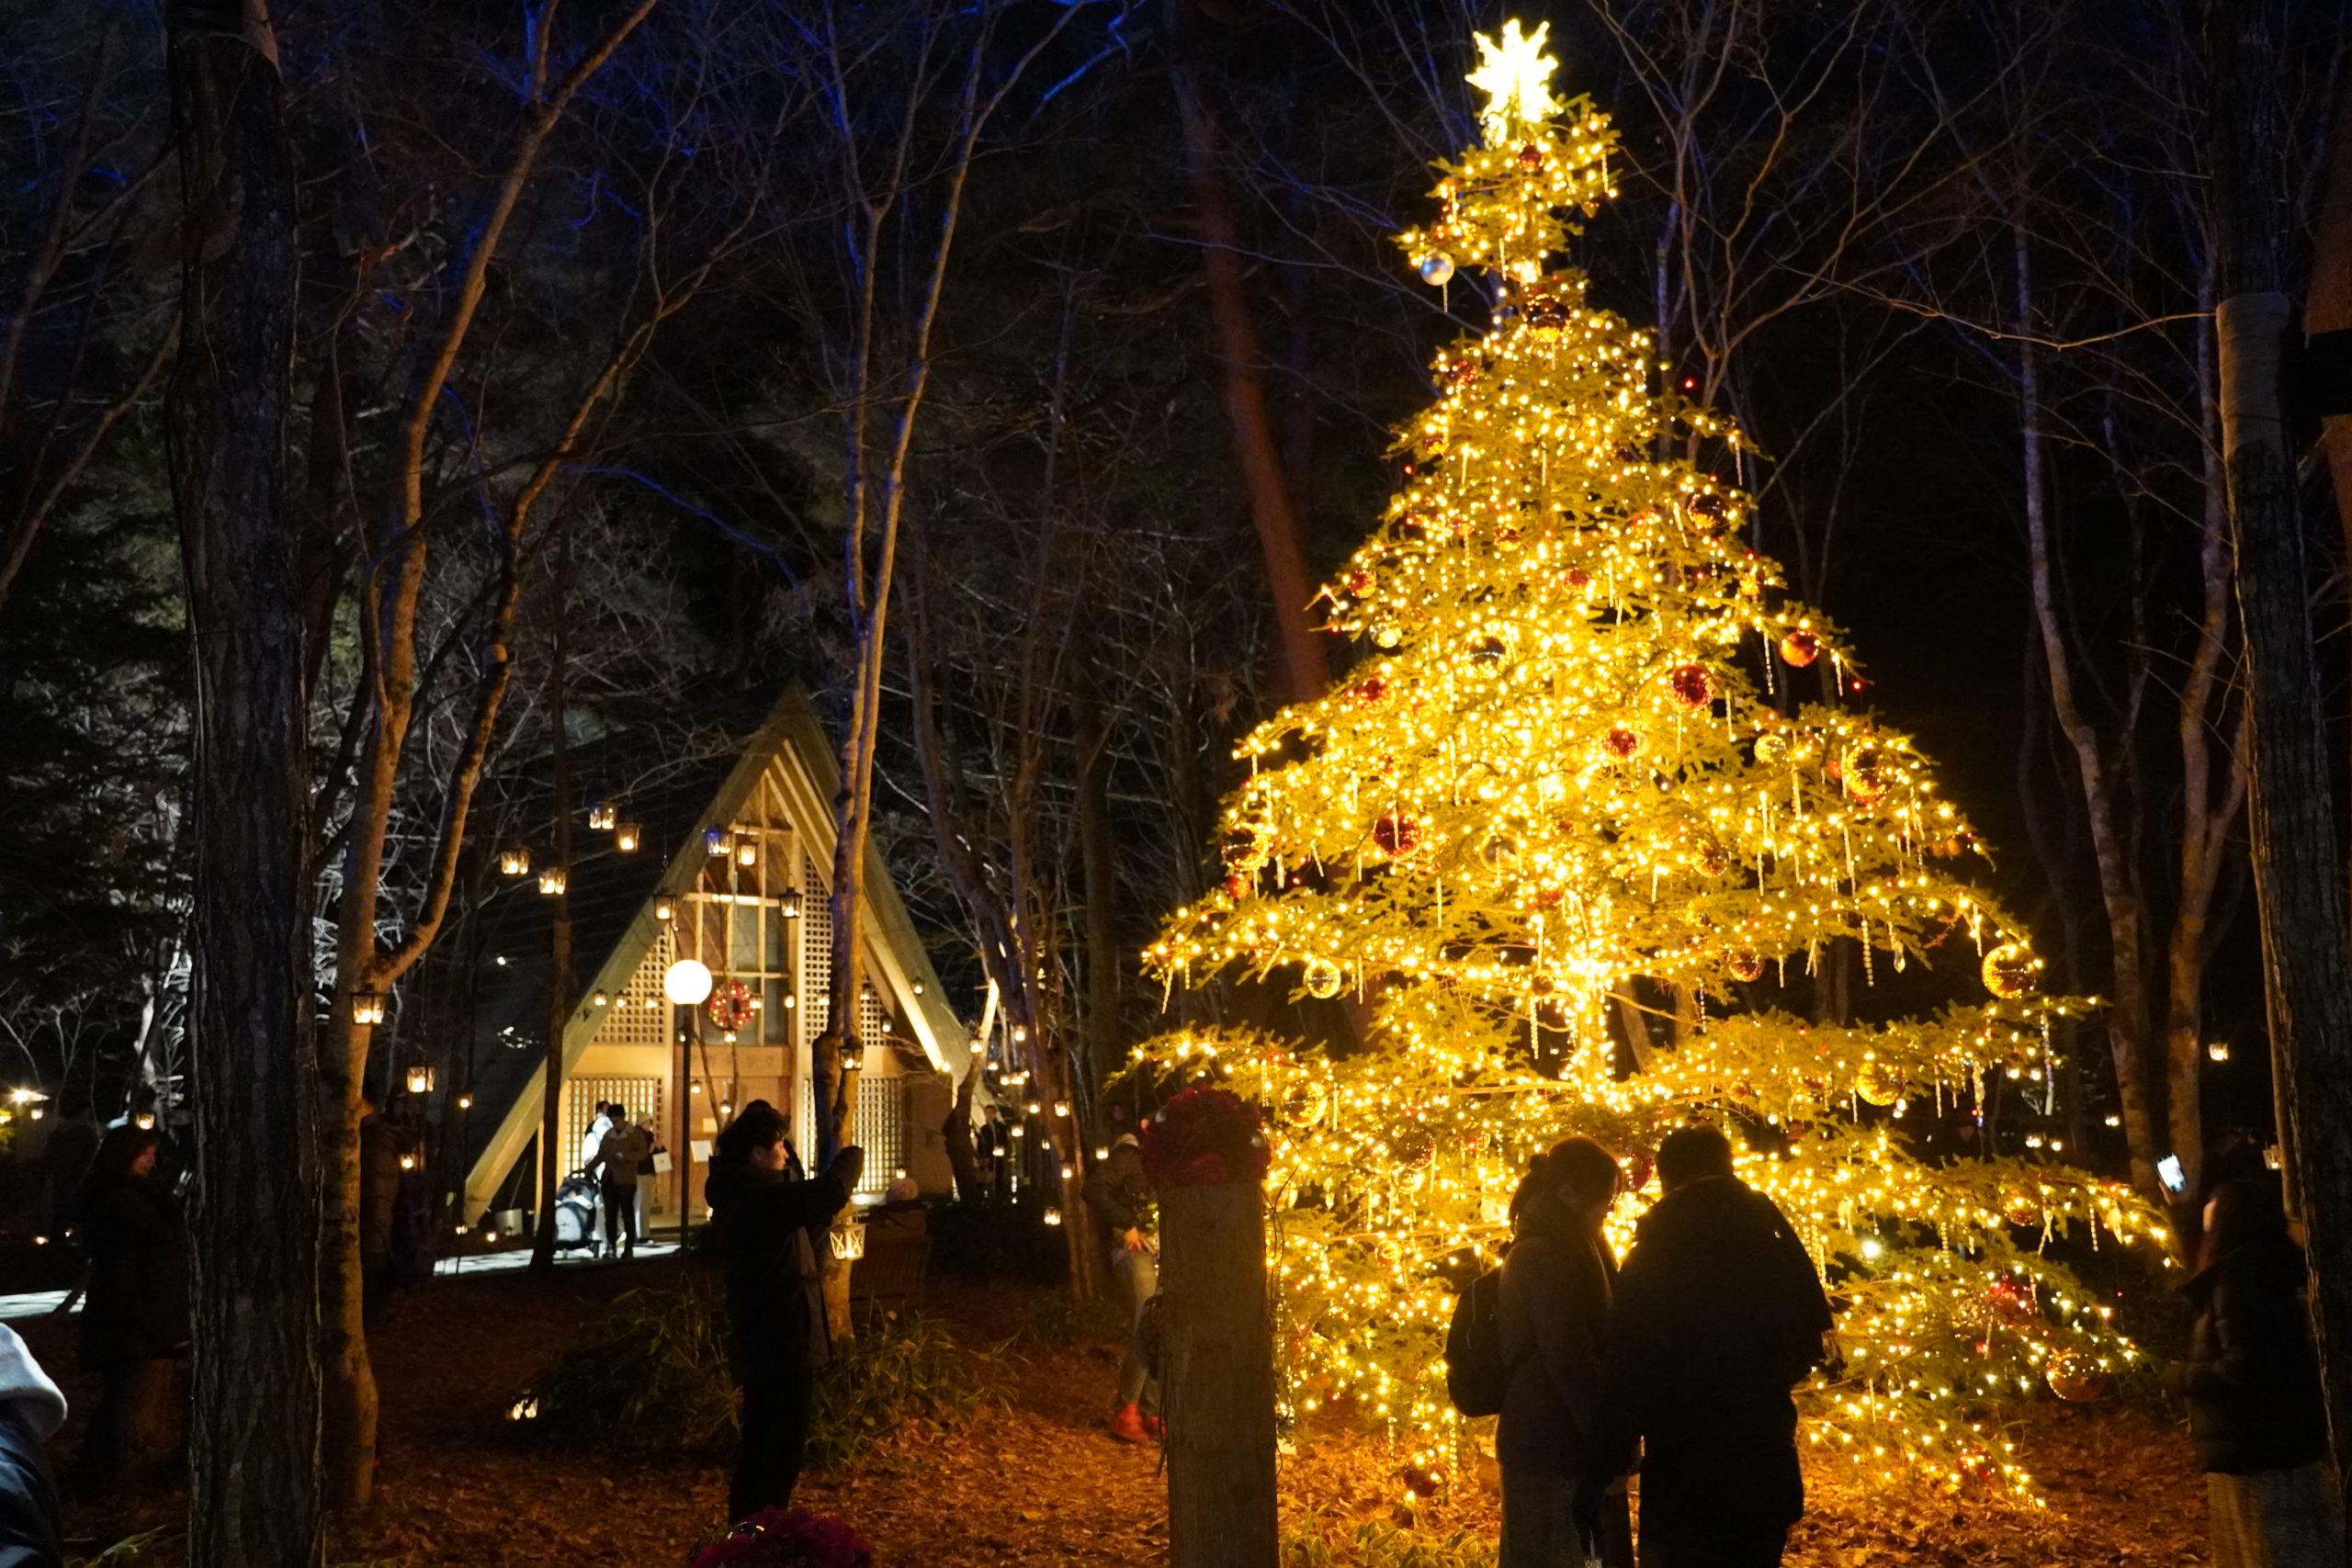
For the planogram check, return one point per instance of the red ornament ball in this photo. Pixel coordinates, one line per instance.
(1396, 835)
(1368, 691)
(1693, 685)
(1621, 743)
(1801, 648)
(1531, 156)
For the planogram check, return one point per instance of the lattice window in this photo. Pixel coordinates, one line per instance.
(878, 1126)
(640, 1016)
(881, 1127)
(641, 1097)
(816, 954)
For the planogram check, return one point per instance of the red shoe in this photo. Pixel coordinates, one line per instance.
(1127, 1425)
(1155, 1427)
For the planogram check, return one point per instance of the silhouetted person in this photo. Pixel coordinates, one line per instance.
(2254, 1391)
(1717, 1313)
(1551, 1314)
(770, 1232)
(136, 1307)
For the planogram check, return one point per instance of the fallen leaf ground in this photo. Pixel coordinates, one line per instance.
(1033, 1482)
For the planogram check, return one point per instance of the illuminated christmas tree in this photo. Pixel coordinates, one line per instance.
(1565, 833)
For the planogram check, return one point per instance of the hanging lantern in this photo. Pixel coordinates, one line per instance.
(600, 999)
(2011, 970)
(368, 1007)
(1693, 685)
(747, 852)
(420, 1079)
(465, 1102)
(515, 862)
(601, 816)
(1800, 647)
(789, 905)
(1323, 979)
(1061, 1108)
(626, 836)
(716, 841)
(552, 881)
(664, 910)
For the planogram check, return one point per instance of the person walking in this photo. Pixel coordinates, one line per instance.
(1120, 1196)
(623, 1145)
(590, 1142)
(1718, 1313)
(2252, 1383)
(767, 1228)
(135, 1309)
(1552, 1311)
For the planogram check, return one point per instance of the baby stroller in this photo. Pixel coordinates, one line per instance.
(575, 1212)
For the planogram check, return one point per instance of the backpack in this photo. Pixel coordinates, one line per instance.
(1477, 1375)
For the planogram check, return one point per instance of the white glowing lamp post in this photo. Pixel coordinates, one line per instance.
(687, 984)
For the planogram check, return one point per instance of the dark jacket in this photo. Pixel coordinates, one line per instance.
(1119, 1194)
(768, 1230)
(2250, 1377)
(136, 1304)
(31, 1410)
(1718, 1312)
(1554, 1306)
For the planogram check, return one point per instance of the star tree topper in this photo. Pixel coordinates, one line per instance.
(1516, 75)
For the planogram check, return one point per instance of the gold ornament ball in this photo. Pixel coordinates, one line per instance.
(1323, 978)
(2074, 1377)
(1771, 749)
(1801, 648)
(2011, 970)
(1747, 965)
(1878, 1084)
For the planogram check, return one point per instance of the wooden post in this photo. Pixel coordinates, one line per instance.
(1218, 1377)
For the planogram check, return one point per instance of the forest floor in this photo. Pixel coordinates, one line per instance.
(1034, 1481)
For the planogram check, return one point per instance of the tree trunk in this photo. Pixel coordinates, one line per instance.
(254, 1494)
(2329, 305)
(1217, 1378)
(1098, 871)
(1303, 670)
(2298, 868)
(560, 955)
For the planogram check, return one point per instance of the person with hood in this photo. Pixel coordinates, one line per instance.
(1717, 1313)
(768, 1229)
(2252, 1383)
(619, 1149)
(31, 1410)
(1551, 1308)
(1120, 1196)
(135, 1309)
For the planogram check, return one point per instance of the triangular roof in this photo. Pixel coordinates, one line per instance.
(614, 927)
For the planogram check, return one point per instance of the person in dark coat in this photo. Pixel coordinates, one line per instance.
(1119, 1195)
(1551, 1311)
(135, 1308)
(2251, 1381)
(1717, 1313)
(768, 1229)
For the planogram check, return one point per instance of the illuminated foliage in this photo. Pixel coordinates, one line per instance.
(1568, 783)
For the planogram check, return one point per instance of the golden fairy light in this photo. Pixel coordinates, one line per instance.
(1565, 833)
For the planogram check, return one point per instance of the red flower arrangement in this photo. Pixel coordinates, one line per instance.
(1203, 1137)
(774, 1537)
